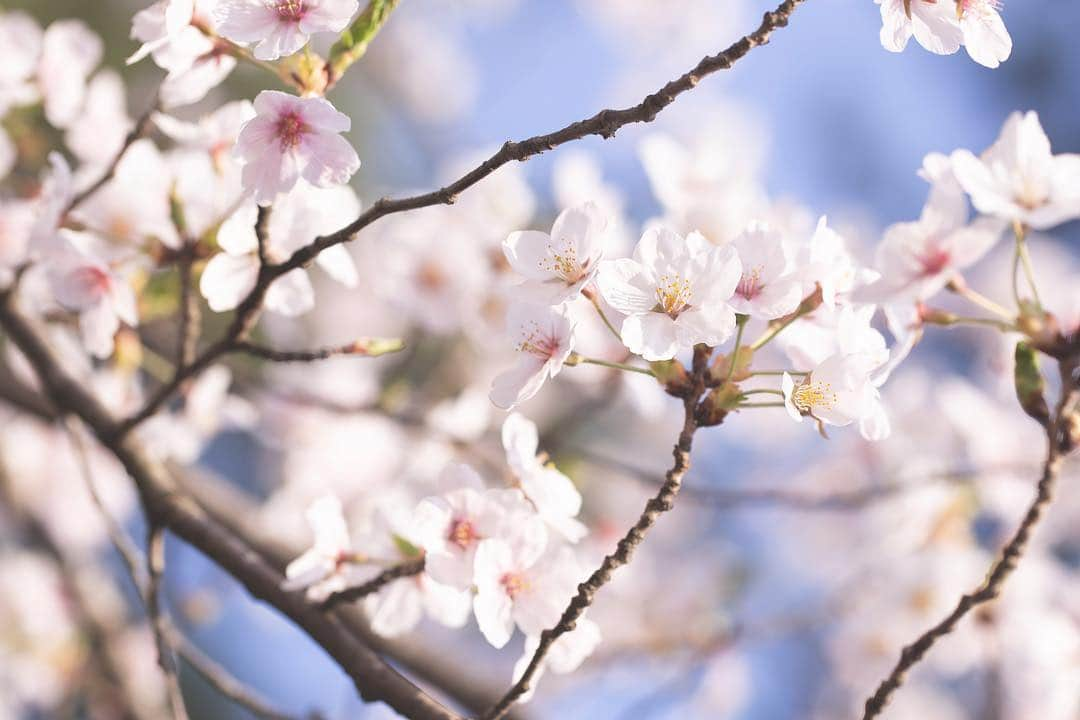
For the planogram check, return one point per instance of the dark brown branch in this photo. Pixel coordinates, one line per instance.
(409, 568)
(262, 233)
(604, 124)
(661, 503)
(1007, 560)
(374, 679)
(142, 126)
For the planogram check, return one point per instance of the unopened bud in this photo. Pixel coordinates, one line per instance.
(1030, 384)
(717, 404)
(722, 369)
(373, 347)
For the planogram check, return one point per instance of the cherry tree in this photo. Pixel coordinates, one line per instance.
(472, 462)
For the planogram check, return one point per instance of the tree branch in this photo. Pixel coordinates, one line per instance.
(1058, 445)
(409, 568)
(661, 503)
(374, 679)
(367, 347)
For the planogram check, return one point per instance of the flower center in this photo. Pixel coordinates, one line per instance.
(514, 584)
(538, 342)
(290, 10)
(290, 130)
(92, 279)
(982, 7)
(809, 395)
(673, 294)
(462, 533)
(750, 285)
(934, 260)
(564, 264)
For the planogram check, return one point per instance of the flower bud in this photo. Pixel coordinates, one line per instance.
(672, 375)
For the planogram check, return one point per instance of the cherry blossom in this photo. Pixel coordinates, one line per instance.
(985, 37)
(281, 27)
(825, 262)
(84, 284)
(836, 392)
(768, 288)
(521, 582)
(297, 219)
(934, 25)
(558, 266)
(21, 38)
(1019, 179)
(331, 565)
(104, 123)
(917, 259)
(290, 138)
(160, 24)
(675, 293)
(552, 494)
(451, 526)
(69, 53)
(544, 340)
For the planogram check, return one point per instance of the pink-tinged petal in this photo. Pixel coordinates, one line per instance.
(291, 294)
(270, 175)
(283, 41)
(306, 570)
(328, 16)
(97, 327)
(777, 299)
(650, 335)
(338, 264)
(236, 235)
(273, 103)
(582, 228)
(244, 21)
(192, 84)
(320, 115)
(122, 299)
(988, 194)
(787, 386)
(625, 286)
(70, 52)
(520, 440)
(396, 609)
(987, 40)
(935, 26)
(968, 245)
(519, 383)
(258, 136)
(445, 605)
(527, 253)
(331, 160)
(711, 325)
(895, 26)
(227, 280)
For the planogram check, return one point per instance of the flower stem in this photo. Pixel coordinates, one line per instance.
(961, 289)
(763, 391)
(759, 405)
(774, 330)
(576, 359)
(603, 316)
(1023, 258)
(778, 372)
(740, 321)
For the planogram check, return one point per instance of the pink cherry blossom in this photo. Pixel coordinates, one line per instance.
(281, 27)
(290, 138)
(544, 340)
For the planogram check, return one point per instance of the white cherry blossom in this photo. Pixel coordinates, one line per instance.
(558, 266)
(1019, 179)
(553, 494)
(69, 53)
(985, 37)
(159, 24)
(675, 293)
(544, 339)
(519, 582)
(331, 565)
(82, 283)
(837, 392)
(281, 27)
(768, 288)
(933, 23)
(298, 218)
(290, 138)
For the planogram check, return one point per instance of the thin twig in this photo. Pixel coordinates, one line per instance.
(408, 568)
(366, 347)
(661, 503)
(1005, 563)
(155, 566)
(190, 315)
(224, 681)
(142, 126)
